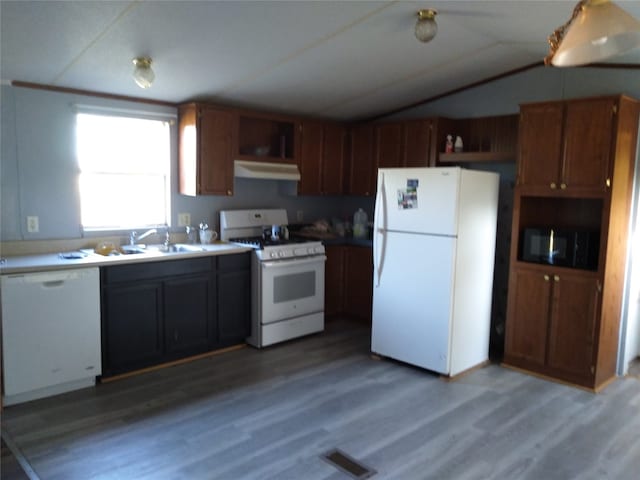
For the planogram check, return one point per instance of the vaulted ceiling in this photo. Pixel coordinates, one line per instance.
(334, 59)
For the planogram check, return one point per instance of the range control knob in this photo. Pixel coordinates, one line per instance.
(273, 255)
(311, 250)
(282, 254)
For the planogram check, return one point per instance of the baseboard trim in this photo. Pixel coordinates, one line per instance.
(171, 364)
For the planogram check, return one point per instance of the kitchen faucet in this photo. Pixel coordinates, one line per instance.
(134, 237)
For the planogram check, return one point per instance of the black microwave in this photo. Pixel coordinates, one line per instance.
(561, 246)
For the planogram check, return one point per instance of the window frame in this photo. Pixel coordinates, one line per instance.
(168, 174)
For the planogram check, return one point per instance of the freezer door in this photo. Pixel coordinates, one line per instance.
(412, 302)
(421, 200)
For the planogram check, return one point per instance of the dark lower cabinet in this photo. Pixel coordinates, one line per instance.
(189, 315)
(155, 312)
(134, 335)
(234, 292)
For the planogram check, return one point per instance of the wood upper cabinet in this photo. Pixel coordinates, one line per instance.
(362, 168)
(207, 137)
(417, 142)
(333, 159)
(587, 144)
(566, 146)
(540, 145)
(310, 158)
(389, 146)
(321, 159)
(266, 137)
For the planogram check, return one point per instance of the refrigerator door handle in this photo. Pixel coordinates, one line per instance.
(380, 233)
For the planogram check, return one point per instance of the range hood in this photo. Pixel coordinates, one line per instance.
(269, 171)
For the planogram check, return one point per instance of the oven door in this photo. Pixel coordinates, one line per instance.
(292, 288)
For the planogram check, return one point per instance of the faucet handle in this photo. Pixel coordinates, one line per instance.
(132, 237)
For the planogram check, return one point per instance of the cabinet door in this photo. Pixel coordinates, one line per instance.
(417, 143)
(234, 307)
(215, 158)
(333, 159)
(540, 145)
(188, 315)
(362, 176)
(359, 282)
(588, 130)
(310, 159)
(389, 145)
(575, 306)
(527, 316)
(132, 327)
(334, 280)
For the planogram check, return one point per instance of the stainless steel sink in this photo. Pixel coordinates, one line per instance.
(183, 247)
(133, 249)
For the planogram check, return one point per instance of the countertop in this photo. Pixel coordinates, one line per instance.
(53, 261)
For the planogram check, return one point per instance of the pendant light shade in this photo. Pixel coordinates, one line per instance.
(426, 26)
(599, 30)
(143, 73)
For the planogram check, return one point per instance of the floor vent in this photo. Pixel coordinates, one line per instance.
(347, 464)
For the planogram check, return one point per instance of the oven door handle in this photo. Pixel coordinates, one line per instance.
(288, 262)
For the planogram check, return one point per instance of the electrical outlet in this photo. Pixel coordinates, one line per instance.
(33, 224)
(299, 215)
(184, 219)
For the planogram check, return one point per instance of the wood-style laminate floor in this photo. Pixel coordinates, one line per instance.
(269, 414)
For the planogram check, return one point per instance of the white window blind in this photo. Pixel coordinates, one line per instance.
(124, 166)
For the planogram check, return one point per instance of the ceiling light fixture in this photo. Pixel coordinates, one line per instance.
(426, 26)
(597, 30)
(143, 73)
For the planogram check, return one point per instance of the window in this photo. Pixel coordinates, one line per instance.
(124, 171)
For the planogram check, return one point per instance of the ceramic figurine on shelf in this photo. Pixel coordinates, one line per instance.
(449, 146)
(458, 145)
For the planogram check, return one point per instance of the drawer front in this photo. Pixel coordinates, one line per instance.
(149, 270)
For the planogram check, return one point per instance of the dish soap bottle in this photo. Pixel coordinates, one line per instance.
(360, 224)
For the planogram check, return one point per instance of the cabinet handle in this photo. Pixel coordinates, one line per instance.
(546, 278)
(553, 185)
(229, 192)
(608, 182)
(563, 186)
(556, 278)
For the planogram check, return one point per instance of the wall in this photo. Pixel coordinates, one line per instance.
(39, 170)
(504, 96)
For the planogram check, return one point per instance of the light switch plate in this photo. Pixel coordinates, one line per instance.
(184, 219)
(299, 215)
(33, 224)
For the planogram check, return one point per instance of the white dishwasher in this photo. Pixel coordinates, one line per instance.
(50, 332)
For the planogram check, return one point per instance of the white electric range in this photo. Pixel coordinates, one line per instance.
(287, 275)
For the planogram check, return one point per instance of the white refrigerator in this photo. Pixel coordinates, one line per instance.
(433, 248)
